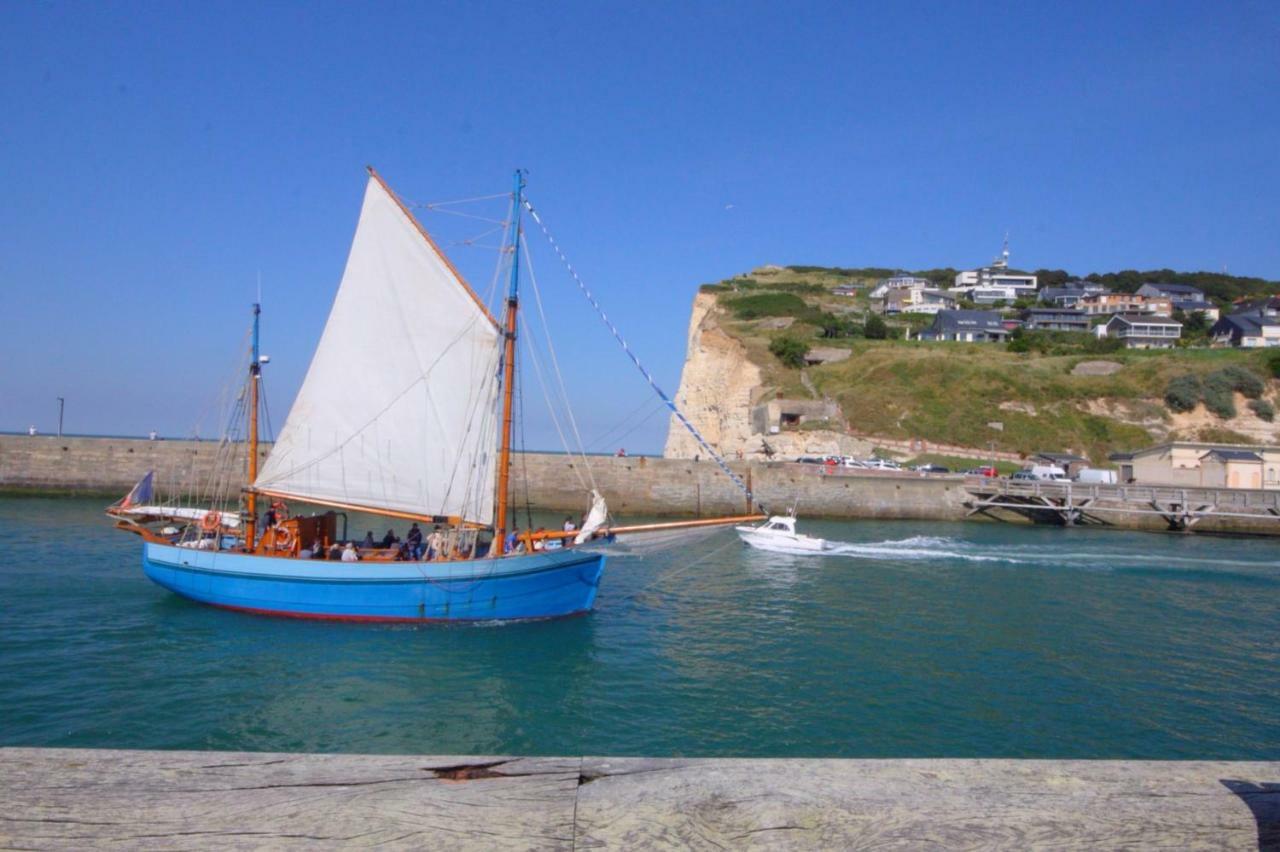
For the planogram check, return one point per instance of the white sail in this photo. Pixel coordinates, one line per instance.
(397, 410)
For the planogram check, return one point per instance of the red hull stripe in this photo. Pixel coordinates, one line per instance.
(379, 619)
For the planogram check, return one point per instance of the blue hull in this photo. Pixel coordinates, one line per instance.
(545, 584)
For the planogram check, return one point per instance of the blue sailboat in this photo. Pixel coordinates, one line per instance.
(405, 412)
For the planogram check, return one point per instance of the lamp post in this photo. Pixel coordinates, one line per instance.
(61, 405)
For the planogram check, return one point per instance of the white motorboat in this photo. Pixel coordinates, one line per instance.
(778, 534)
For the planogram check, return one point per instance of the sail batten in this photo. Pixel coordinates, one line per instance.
(397, 410)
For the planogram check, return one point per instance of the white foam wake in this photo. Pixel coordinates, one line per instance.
(918, 547)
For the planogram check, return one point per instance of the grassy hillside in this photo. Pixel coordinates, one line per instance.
(949, 393)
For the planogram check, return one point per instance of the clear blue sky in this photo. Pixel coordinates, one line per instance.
(157, 157)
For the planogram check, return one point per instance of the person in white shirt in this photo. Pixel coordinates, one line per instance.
(349, 553)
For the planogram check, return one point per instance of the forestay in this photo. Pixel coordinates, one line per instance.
(397, 410)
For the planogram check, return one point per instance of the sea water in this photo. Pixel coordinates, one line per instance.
(911, 640)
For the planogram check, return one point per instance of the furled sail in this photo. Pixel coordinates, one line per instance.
(397, 410)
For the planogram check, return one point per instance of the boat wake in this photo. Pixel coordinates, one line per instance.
(916, 548)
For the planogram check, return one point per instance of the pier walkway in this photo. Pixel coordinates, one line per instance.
(61, 799)
(1072, 503)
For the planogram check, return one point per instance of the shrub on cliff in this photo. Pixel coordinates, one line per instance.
(875, 328)
(1183, 392)
(1218, 394)
(1263, 409)
(1242, 379)
(1273, 363)
(789, 350)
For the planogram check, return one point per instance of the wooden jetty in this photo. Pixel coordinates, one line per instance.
(83, 798)
(1071, 503)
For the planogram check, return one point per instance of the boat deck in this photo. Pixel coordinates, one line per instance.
(55, 798)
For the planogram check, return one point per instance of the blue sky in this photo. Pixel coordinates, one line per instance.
(156, 158)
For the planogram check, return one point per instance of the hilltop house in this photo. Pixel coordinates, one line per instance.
(1184, 297)
(1249, 329)
(915, 301)
(1143, 331)
(1070, 294)
(995, 283)
(966, 326)
(1191, 464)
(899, 282)
(1105, 304)
(1055, 319)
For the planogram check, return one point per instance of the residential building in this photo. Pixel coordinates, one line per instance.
(912, 301)
(1197, 465)
(1070, 294)
(901, 281)
(1055, 319)
(845, 290)
(1184, 298)
(1105, 304)
(995, 283)
(1250, 329)
(966, 326)
(1144, 331)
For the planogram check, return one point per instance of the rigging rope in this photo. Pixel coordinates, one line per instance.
(693, 430)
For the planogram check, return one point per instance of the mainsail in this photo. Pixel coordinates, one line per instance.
(397, 410)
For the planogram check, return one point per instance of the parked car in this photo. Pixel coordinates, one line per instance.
(881, 464)
(931, 468)
(1096, 476)
(985, 470)
(811, 460)
(1048, 473)
(1023, 476)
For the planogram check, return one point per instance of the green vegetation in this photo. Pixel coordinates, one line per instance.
(759, 305)
(1216, 390)
(1263, 409)
(1215, 285)
(948, 393)
(789, 350)
(1183, 393)
(1273, 363)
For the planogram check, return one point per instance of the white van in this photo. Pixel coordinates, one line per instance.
(1096, 476)
(1048, 473)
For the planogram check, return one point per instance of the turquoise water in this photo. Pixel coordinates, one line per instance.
(921, 639)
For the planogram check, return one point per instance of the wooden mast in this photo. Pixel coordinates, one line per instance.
(508, 376)
(255, 368)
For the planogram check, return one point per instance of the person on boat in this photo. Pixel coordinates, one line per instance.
(368, 544)
(269, 519)
(349, 553)
(435, 543)
(513, 543)
(389, 540)
(569, 526)
(317, 550)
(414, 539)
(538, 542)
(335, 552)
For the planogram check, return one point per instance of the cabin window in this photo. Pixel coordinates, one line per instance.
(791, 420)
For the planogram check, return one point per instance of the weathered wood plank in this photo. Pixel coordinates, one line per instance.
(921, 804)
(62, 798)
(51, 799)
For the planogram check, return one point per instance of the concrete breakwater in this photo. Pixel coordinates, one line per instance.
(635, 485)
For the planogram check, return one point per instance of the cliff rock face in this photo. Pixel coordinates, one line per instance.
(721, 393)
(716, 388)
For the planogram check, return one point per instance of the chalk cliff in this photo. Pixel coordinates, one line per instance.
(722, 393)
(716, 388)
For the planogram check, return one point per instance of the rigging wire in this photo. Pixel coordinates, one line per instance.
(555, 362)
(606, 437)
(693, 430)
(641, 422)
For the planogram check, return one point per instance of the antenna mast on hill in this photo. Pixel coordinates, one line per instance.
(1002, 262)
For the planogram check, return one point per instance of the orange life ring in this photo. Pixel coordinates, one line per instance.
(211, 521)
(282, 538)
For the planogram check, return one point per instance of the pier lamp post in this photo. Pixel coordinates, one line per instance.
(61, 405)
